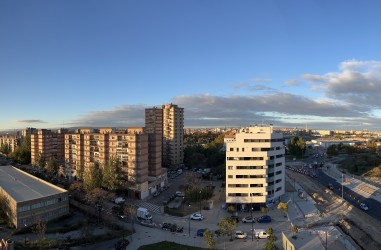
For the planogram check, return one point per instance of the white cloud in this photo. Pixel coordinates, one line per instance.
(292, 82)
(262, 80)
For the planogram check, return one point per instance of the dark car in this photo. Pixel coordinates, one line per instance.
(201, 232)
(235, 217)
(166, 226)
(264, 219)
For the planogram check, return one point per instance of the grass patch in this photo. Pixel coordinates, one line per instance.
(174, 211)
(362, 164)
(165, 245)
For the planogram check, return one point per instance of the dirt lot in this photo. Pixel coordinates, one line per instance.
(362, 228)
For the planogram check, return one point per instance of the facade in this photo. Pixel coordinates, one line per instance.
(255, 167)
(27, 199)
(154, 129)
(173, 135)
(47, 144)
(12, 141)
(29, 131)
(130, 146)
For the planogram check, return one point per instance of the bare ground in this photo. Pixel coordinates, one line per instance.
(362, 228)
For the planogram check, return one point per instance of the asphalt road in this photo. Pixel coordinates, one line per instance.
(350, 196)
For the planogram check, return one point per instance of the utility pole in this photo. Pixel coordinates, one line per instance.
(342, 186)
(252, 219)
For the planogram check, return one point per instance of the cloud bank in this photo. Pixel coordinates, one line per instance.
(349, 99)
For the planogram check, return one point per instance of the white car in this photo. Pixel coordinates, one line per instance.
(364, 207)
(248, 219)
(197, 217)
(240, 235)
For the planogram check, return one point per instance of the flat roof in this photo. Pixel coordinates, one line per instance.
(22, 186)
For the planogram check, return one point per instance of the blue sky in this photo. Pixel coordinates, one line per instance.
(228, 63)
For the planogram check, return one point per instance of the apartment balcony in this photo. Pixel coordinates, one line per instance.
(270, 171)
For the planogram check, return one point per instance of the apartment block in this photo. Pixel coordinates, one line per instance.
(173, 135)
(255, 167)
(12, 141)
(29, 131)
(129, 146)
(28, 199)
(154, 129)
(49, 144)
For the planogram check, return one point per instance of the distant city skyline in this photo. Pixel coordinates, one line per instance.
(228, 64)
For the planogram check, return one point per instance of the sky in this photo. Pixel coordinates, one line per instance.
(90, 63)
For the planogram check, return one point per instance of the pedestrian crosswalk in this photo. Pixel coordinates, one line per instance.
(153, 208)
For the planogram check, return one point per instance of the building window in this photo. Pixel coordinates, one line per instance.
(230, 176)
(230, 167)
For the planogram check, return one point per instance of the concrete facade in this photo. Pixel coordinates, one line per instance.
(129, 146)
(27, 200)
(173, 135)
(255, 166)
(12, 141)
(47, 144)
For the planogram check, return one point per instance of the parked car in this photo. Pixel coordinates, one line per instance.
(240, 235)
(261, 234)
(197, 216)
(264, 219)
(200, 232)
(179, 194)
(235, 217)
(364, 207)
(166, 226)
(248, 219)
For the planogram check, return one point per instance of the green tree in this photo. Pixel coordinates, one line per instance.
(270, 243)
(52, 166)
(282, 206)
(112, 175)
(297, 146)
(332, 150)
(231, 209)
(93, 177)
(80, 171)
(40, 161)
(209, 239)
(4, 148)
(227, 226)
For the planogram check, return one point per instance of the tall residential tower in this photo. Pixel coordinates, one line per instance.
(173, 135)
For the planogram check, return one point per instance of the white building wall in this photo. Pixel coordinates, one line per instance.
(261, 152)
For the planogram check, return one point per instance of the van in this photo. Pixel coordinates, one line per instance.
(261, 234)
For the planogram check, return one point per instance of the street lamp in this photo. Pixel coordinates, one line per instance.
(25, 235)
(200, 201)
(189, 219)
(252, 220)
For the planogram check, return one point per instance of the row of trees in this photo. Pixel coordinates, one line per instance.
(108, 175)
(21, 154)
(201, 155)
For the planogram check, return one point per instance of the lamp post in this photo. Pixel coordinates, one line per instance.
(252, 220)
(200, 201)
(189, 219)
(25, 235)
(342, 187)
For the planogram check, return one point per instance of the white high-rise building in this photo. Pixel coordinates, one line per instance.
(255, 167)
